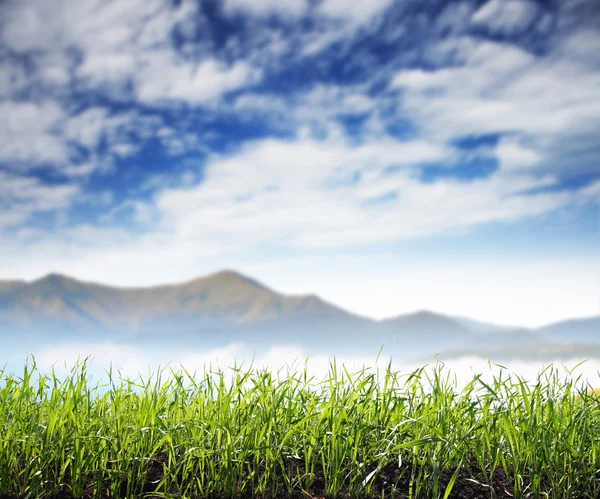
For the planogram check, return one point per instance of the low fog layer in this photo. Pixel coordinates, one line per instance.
(133, 361)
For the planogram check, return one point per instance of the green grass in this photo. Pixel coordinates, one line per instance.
(261, 434)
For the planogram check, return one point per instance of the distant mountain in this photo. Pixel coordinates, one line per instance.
(426, 330)
(510, 338)
(6, 286)
(480, 326)
(572, 339)
(224, 299)
(585, 330)
(426, 321)
(227, 306)
(508, 341)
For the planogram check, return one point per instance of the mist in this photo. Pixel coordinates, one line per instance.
(134, 361)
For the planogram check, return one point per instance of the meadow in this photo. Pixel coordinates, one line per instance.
(246, 432)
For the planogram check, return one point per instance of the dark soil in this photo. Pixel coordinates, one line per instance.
(470, 484)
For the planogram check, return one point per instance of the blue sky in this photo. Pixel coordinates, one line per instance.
(387, 155)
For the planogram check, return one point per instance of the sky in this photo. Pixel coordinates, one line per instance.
(389, 155)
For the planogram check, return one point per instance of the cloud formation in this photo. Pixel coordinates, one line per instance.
(278, 191)
(506, 16)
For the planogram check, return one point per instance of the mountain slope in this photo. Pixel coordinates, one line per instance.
(586, 330)
(426, 330)
(6, 286)
(425, 321)
(243, 300)
(225, 298)
(480, 326)
(227, 306)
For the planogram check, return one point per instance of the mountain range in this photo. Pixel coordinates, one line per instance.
(227, 306)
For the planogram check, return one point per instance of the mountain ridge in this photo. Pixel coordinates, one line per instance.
(225, 295)
(229, 305)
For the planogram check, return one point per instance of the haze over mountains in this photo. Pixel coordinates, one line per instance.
(228, 306)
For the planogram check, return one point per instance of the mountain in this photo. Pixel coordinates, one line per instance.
(225, 294)
(227, 306)
(585, 330)
(571, 339)
(510, 338)
(507, 343)
(219, 304)
(425, 322)
(480, 326)
(6, 286)
(426, 330)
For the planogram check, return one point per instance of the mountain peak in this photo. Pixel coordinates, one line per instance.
(228, 274)
(425, 313)
(424, 319)
(57, 283)
(55, 278)
(418, 315)
(228, 277)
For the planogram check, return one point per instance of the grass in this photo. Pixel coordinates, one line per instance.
(254, 433)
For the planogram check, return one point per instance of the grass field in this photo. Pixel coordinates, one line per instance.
(254, 433)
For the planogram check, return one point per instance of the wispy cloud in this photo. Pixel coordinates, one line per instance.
(28, 133)
(506, 16)
(503, 89)
(290, 8)
(21, 197)
(356, 12)
(166, 78)
(276, 191)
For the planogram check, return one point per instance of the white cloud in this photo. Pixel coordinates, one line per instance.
(21, 197)
(138, 49)
(125, 50)
(43, 134)
(514, 156)
(29, 25)
(323, 40)
(28, 133)
(278, 188)
(13, 78)
(506, 16)
(277, 192)
(582, 45)
(55, 74)
(124, 150)
(87, 127)
(122, 44)
(455, 17)
(287, 8)
(503, 89)
(358, 12)
(338, 21)
(319, 108)
(112, 68)
(334, 100)
(175, 143)
(591, 193)
(167, 79)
